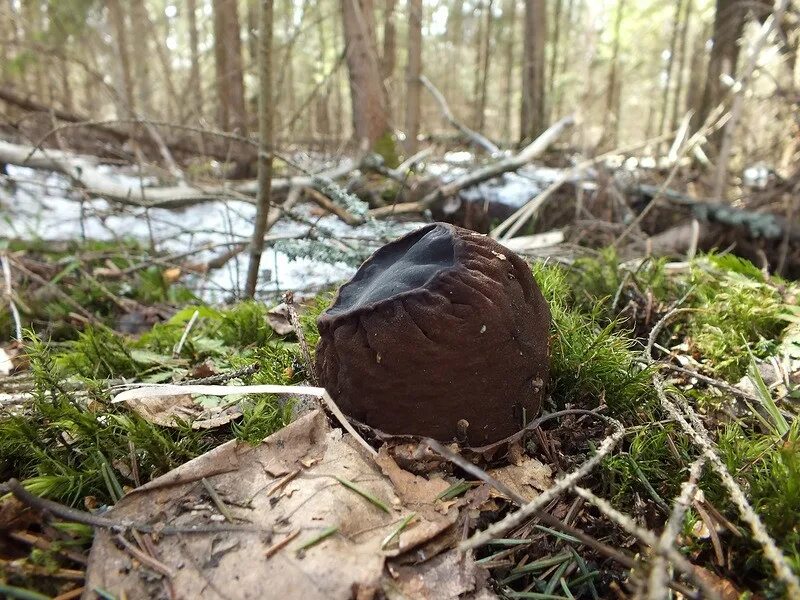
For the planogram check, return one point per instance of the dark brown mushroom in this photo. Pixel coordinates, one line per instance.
(440, 327)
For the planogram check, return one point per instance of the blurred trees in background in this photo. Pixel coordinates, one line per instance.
(348, 70)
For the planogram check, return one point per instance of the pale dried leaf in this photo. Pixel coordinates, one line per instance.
(234, 564)
(278, 319)
(528, 479)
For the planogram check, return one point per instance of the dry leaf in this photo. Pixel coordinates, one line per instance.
(167, 411)
(527, 479)
(171, 275)
(278, 319)
(448, 576)
(348, 559)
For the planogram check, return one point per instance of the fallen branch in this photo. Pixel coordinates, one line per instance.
(479, 140)
(120, 135)
(82, 170)
(511, 163)
(524, 213)
(330, 206)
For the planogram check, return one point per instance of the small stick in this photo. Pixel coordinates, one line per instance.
(145, 558)
(221, 507)
(294, 320)
(177, 351)
(71, 595)
(10, 297)
(269, 552)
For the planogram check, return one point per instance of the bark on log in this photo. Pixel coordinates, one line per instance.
(218, 151)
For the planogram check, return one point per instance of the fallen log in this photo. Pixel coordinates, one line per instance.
(82, 170)
(757, 224)
(121, 135)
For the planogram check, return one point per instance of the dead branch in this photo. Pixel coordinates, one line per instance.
(120, 135)
(511, 163)
(530, 509)
(479, 140)
(82, 170)
(330, 206)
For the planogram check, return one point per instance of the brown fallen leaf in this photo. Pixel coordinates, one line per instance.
(350, 559)
(278, 319)
(168, 411)
(528, 479)
(447, 577)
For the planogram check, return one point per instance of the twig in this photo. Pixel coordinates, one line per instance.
(511, 163)
(515, 519)
(715, 120)
(658, 574)
(145, 558)
(699, 436)
(649, 538)
(221, 507)
(63, 295)
(478, 139)
(9, 293)
(294, 320)
(738, 91)
(651, 340)
(329, 205)
(177, 351)
(717, 383)
(73, 515)
(523, 214)
(272, 550)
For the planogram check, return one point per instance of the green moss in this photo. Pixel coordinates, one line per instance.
(734, 307)
(386, 146)
(591, 363)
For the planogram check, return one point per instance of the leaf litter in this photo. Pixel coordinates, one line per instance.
(346, 525)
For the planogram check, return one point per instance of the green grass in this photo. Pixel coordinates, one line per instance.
(70, 446)
(597, 360)
(67, 446)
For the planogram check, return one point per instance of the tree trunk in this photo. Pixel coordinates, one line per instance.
(532, 116)
(266, 143)
(252, 30)
(728, 25)
(389, 58)
(566, 46)
(486, 46)
(477, 44)
(694, 92)
(614, 92)
(673, 43)
(121, 34)
(232, 115)
(554, 57)
(367, 94)
(32, 24)
(140, 27)
(195, 82)
(162, 52)
(509, 16)
(413, 72)
(680, 73)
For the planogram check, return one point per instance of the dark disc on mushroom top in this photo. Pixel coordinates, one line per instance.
(441, 325)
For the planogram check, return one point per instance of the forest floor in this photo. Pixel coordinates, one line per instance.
(698, 362)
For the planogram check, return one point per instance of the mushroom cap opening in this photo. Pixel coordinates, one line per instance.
(397, 269)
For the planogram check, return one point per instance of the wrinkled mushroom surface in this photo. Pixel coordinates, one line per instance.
(439, 326)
